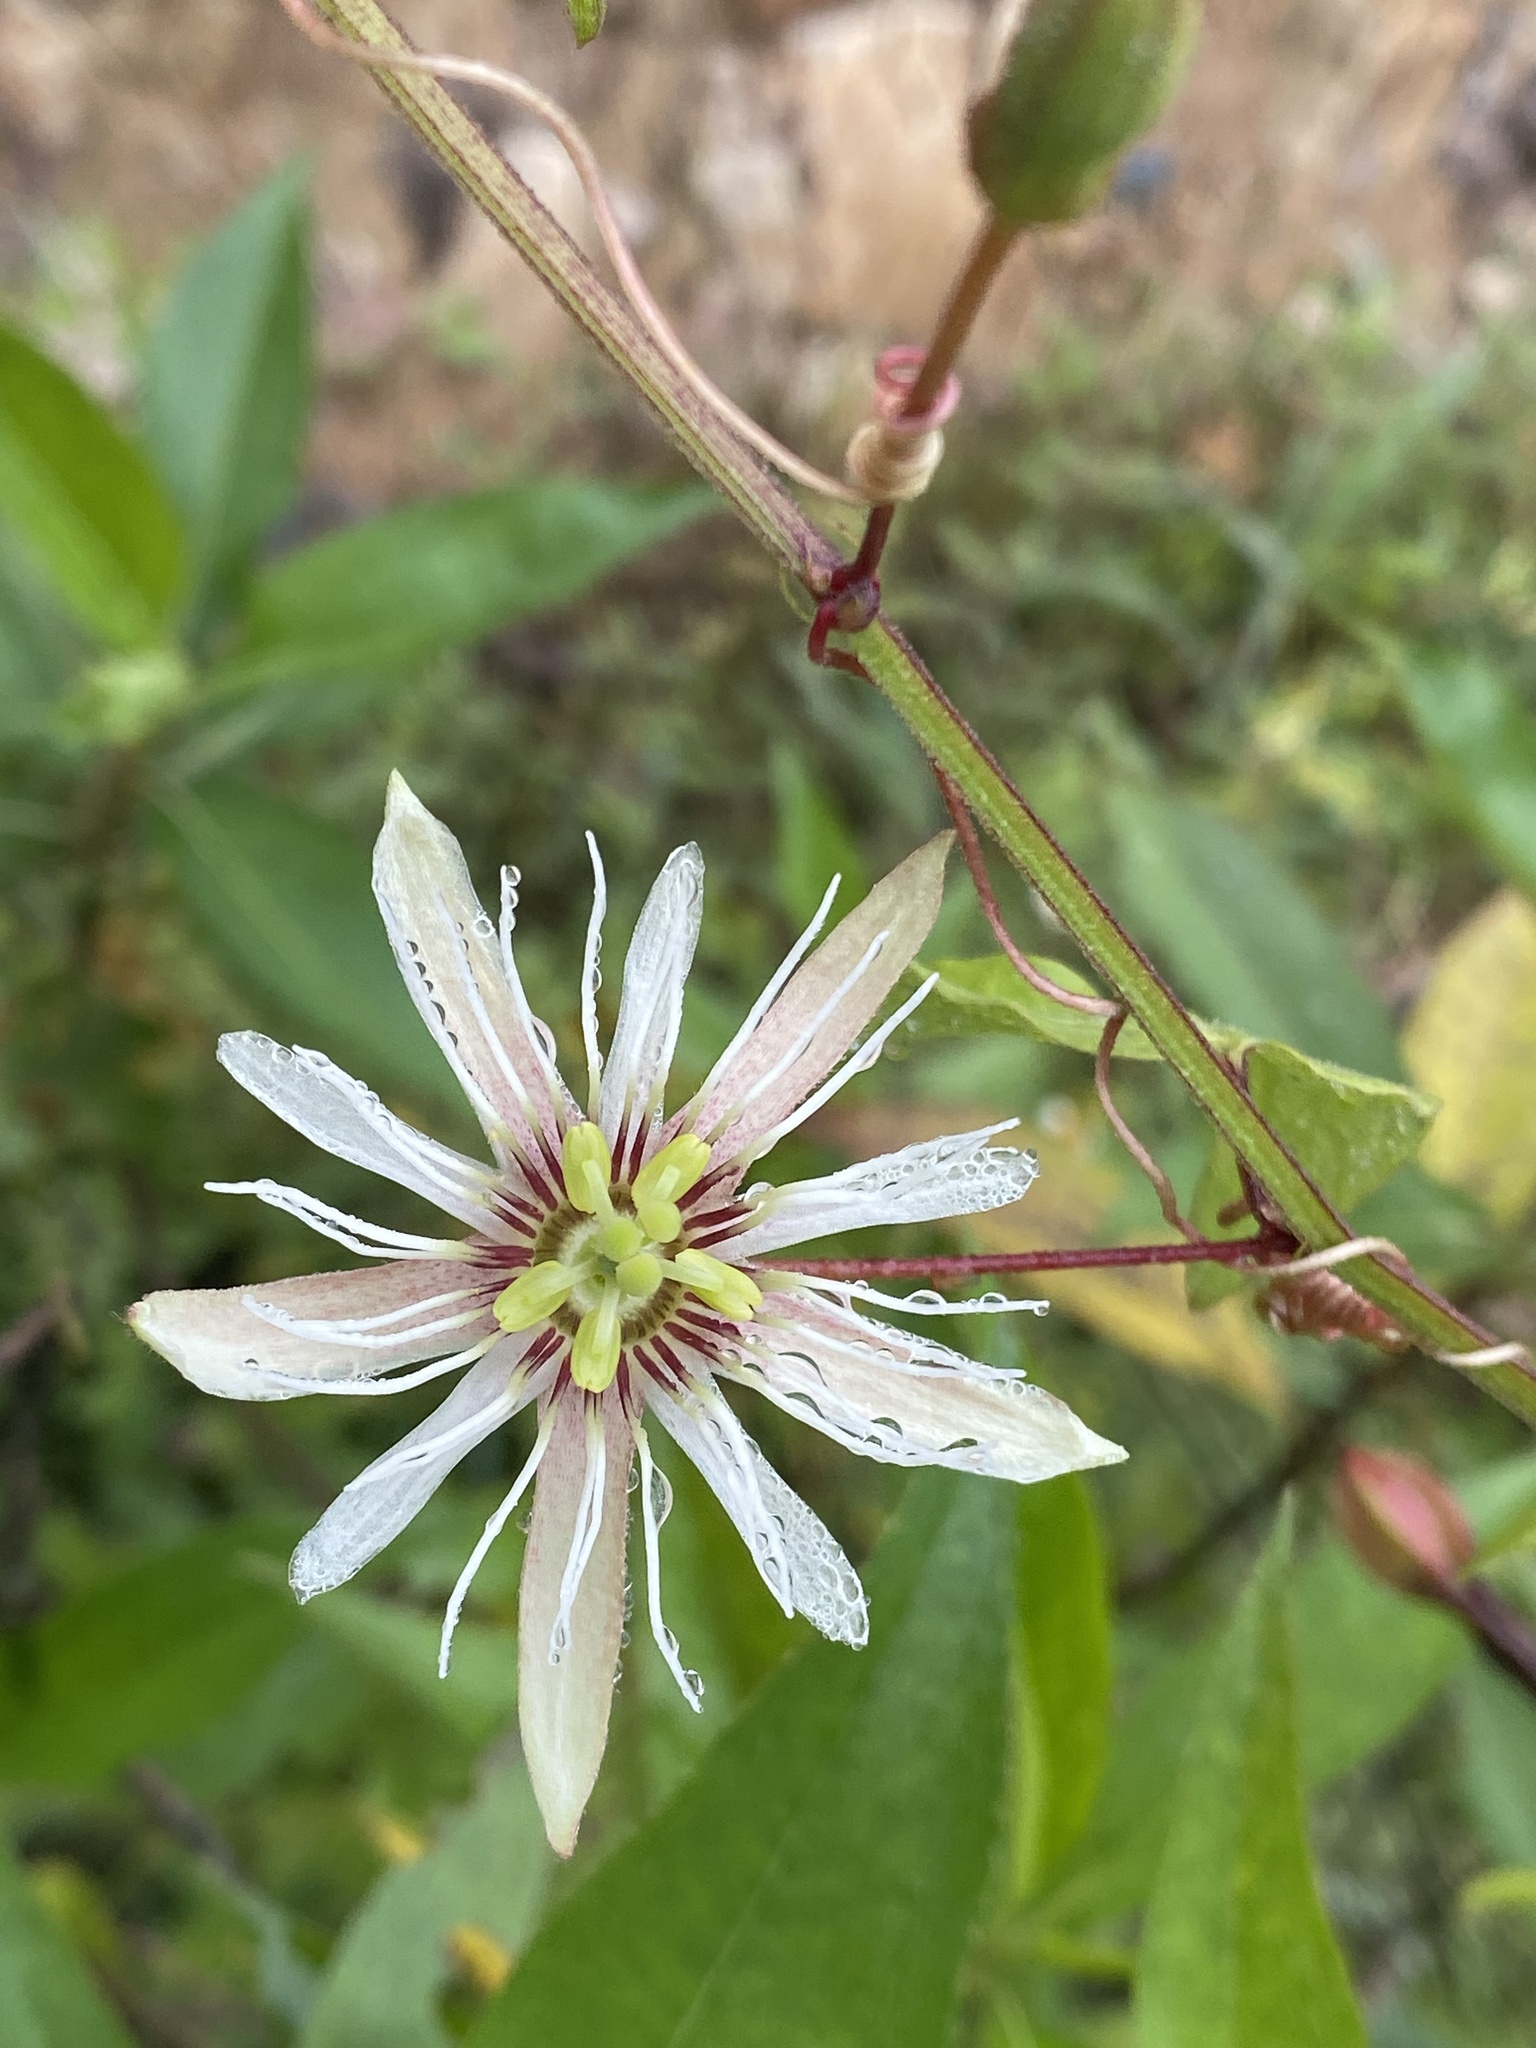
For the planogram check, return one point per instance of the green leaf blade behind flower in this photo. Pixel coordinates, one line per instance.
(407, 586)
(47, 1999)
(1237, 1951)
(147, 1658)
(774, 1899)
(973, 998)
(1063, 1624)
(285, 899)
(83, 502)
(227, 378)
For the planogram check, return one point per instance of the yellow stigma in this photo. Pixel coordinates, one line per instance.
(676, 1169)
(620, 1238)
(725, 1288)
(534, 1296)
(639, 1276)
(588, 1168)
(595, 1347)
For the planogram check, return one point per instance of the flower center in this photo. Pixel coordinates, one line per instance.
(609, 1265)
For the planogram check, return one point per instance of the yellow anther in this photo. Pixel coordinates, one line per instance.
(588, 1168)
(640, 1276)
(663, 1221)
(533, 1296)
(595, 1348)
(725, 1288)
(675, 1170)
(620, 1238)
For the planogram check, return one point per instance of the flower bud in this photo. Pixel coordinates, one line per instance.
(1401, 1520)
(1078, 81)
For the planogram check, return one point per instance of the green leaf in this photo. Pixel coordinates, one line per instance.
(489, 1870)
(1064, 1637)
(1237, 1951)
(1240, 938)
(1350, 1131)
(815, 1880)
(812, 842)
(975, 997)
(400, 1646)
(83, 501)
(1498, 1761)
(1500, 1501)
(1484, 742)
(1368, 1661)
(1109, 1868)
(47, 1998)
(397, 590)
(285, 897)
(145, 1659)
(227, 376)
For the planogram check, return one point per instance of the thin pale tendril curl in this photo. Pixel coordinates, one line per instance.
(892, 456)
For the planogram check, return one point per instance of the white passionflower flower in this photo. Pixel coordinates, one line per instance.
(612, 1273)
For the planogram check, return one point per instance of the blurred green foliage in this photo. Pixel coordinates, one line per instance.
(1253, 618)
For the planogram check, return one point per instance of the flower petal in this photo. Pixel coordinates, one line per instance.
(563, 1707)
(823, 1009)
(348, 1120)
(906, 1400)
(651, 1006)
(447, 950)
(801, 1561)
(373, 1508)
(215, 1338)
(923, 1183)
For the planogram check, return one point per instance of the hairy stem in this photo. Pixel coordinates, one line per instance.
(885, 656)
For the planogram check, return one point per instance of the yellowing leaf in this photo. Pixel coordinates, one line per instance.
(1497, 1890)
(1140, 1308)
(1472, 1042)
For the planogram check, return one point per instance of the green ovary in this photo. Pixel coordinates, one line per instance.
(612, 1260)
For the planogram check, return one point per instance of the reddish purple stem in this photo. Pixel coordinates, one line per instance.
(1231, 1251)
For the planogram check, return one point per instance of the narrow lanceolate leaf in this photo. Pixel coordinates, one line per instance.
(1237, 1951)
(1368, 1661)
(227, 377)
(144, 1660)
(285, 898)
(47, 1999)
(83, 502)
(401, 588)
(1064, 1640)
(815, 1880)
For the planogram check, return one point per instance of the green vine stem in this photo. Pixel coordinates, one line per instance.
(777, 521)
